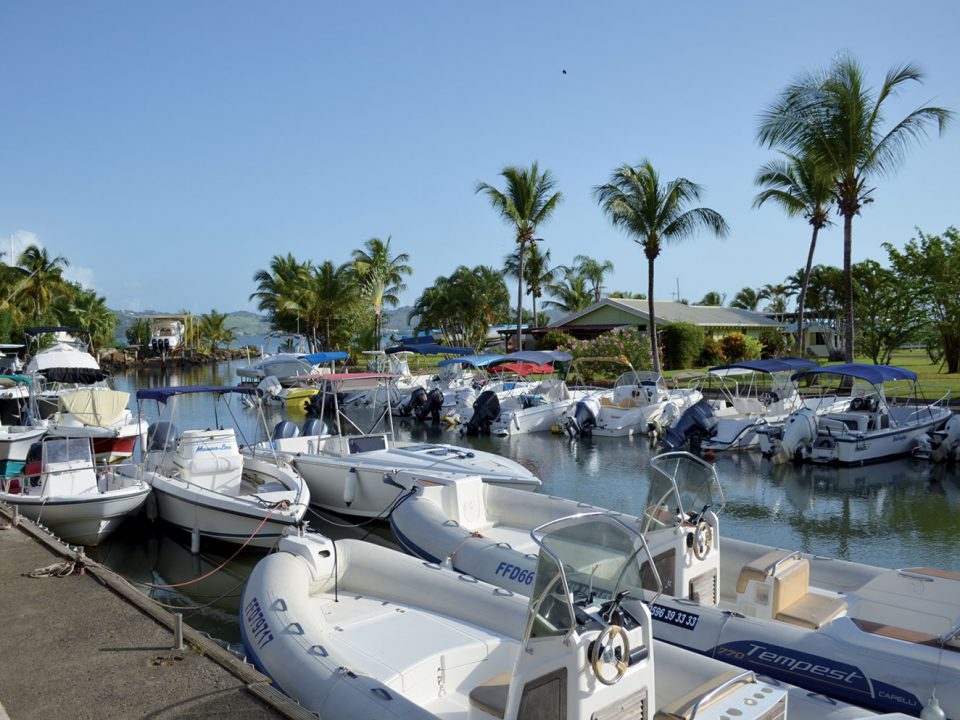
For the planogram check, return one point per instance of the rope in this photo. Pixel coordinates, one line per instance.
(463, 542)
(59, 570)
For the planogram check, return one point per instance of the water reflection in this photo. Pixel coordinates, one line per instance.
(897, 514)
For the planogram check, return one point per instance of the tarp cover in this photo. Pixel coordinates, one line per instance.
(97, 407)
(523, 368)
(471, 360)
(60, 359)
(540, 357)
(874, 374)
(770, 365)
(319, 358)
(162, 394)
(430, 349)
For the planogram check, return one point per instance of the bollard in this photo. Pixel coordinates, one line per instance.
(16, 516)
(178, 631)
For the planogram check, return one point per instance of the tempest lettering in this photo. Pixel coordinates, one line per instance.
(767, 657)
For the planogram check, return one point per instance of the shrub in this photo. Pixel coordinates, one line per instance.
(737, 346)
(774, 343)
(682, 344)
(553, 339)
(712, 353)
(629, 343)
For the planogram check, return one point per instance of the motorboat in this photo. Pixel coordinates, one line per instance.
(286, 357)
(753, 394)
(98, 413)
(206, 487)
(536, 407)
(879, 638)
(17, 433)
(65, 491)
(882, 418)
(166, 333)
(638, 403)
(354, 472)
(63, 365)
(301, 387)
(351, 629)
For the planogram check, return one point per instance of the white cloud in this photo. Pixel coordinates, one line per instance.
(13, 247)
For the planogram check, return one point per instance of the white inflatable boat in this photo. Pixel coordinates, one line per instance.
(350, 629)
(884, 639)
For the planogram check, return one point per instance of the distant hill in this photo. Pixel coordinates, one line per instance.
(242, 322)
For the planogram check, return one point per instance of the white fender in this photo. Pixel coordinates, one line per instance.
(350, 487)
(950, 442)
(799, 430)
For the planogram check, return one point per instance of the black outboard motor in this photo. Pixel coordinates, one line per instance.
(285, 429)
(486, 409)
(431, 407)
(584, 418)
(163, 436)
(696, 423)
(315, 427)
(417, 399)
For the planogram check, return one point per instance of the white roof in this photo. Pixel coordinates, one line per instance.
(61, 355)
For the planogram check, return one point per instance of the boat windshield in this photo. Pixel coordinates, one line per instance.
(584, 559)
(681, 484)
(67, 450)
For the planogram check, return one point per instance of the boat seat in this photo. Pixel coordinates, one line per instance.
(491, 696)
(812, 611)
(682, 708)
(758, 569)
(904, 634)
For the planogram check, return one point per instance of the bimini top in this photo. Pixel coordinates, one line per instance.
(477, 361)
(162, 394)
(770, 365)
(538, 357)
(347, 382)
(873, 374)
(319, 358)
(430, 349)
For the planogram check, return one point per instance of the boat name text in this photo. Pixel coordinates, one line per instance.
(259, 629)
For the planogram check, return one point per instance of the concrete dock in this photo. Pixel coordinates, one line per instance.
(90, 646)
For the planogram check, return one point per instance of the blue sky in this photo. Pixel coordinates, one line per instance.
(170, 149)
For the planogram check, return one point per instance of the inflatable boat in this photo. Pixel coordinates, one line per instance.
(884, 639)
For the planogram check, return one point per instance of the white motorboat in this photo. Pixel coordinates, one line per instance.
(638, 403)
(100, 414)
(66, 492)
(17, 433)
(362, 474)
(350, 629)
(872, 425)
(303, 380)
(884, 639)
(732, 421)
(166, 333)
(286, 357)
(61, 366)
(205, 486)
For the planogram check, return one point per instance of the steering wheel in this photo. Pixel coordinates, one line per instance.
(610, 650)
(702, 539)
(768, 398)
(857, 403)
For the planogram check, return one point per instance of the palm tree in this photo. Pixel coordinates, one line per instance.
(654, 214)
(594, 271)
(528, 202)
(323, 300)
(44, 275)
(800, 186)
(834, 117)
(213, 329)
(746, 299)
(90, 313)
(537, 272)
(380, 276)
(712, 298)
(571, 292)
(778, 295)
(277, 287)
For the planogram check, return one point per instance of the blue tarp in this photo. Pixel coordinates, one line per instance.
(540, 357)
(771, 365)
(20, 379)
(477, 361)
(319, 358)
(430, 349)
(162, 394)
(874, 374)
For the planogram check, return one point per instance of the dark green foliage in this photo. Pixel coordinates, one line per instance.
(712, 353)
(682, 344)
(554, 339)
(737, 346)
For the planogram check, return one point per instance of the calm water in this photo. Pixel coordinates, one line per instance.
(902, 513)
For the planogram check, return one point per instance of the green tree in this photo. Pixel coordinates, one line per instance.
(527, 202)
(213, 330)
(655, 213)
(571, 291)
(888, 315)
(138, 333)
(712, 298)
(380, 276)
(89, 312)
(833, 117)
(746, 299)
(929, 269)
(594, 272)
(778, 294)
(325, 301)
(800, 186)
(537, 272)
(277, 287)
(43, 276)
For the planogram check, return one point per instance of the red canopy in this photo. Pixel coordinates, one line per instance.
(523, 368)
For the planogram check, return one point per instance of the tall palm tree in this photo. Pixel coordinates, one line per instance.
(44, 275)
(712, 298)
(571, 292)
(836, 118)
(380, 275)
(323, 300)
(89, 312)
(213, 329)
(654, 213)
(778, 294)
(800, 186)
(537, 272)
(746, 299)
(277, 287)
(594, 271)
(527, 202)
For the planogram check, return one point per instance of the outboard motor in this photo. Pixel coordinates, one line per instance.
(285, 429)
(417, 399)
(697, 422)
(163, 436)
(486, 409)
(949, 446)
(584, 417)
(314, 427)
(799, 432)
(431, 407)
